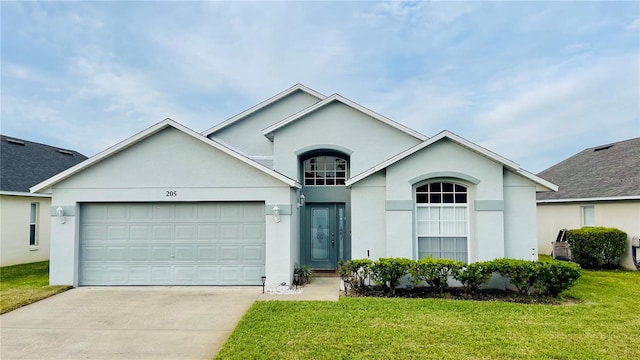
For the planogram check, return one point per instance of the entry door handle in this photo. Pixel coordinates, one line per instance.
(333, 241)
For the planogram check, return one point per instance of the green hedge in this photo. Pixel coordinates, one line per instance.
(549, 277)
(597, 247)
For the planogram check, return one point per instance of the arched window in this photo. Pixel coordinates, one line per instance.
(442, 220)
(325, 171)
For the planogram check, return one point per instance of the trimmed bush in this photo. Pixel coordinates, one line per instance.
(521, 273)
(597, 247)
(388, 271)
(474, 275)
(355, 272)
(434, 272)
(555, 276)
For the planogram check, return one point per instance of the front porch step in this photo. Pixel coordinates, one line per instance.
(325, 273)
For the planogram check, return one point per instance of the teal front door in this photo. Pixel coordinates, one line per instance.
(324, 234)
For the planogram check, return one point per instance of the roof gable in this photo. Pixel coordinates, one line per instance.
(268, 132)
(262, 105)
(543, 185)
(150, 132)
(25, 163)
(604, 172)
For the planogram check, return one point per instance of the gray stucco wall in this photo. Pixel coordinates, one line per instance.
(340, 127)
(246, 134)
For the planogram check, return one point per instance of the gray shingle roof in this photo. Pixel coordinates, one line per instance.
(604, 171)
(25, 163)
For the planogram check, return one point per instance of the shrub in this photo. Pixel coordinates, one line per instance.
(556, 276)
(474, 275)
(388, 271)
(355, 272)
(434, 271)
(597, 247)
(521, 273)
(305, 273)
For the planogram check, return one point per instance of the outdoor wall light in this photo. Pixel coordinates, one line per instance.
(264, 279)
(276, 214)
(60, 214)
(301, 203)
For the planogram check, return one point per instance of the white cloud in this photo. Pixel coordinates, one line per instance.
(633, 25)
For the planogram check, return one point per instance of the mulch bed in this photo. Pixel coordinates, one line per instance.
(460, 294)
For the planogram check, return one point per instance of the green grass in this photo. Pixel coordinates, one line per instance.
(24, 284)
(605, 325)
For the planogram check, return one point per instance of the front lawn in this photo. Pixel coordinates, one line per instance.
(605, 325)
(24, 284)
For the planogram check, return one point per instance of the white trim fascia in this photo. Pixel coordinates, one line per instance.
(145, 134)
(609, 198)
(262, 105)
(511, 165)
(20, 193)
(268, 132)
(538, 180)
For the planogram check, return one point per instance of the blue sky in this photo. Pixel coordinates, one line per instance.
(533, 81)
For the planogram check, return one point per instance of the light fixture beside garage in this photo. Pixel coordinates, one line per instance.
(276, 214)
(60, 214)
(301, 203)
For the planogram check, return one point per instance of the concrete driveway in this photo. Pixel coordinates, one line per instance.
(126, 323)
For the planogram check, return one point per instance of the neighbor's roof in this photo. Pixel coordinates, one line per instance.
(149, 132)
(606, 172)
(542, 184)
(268, 132)
(25, 163)
(262, 105)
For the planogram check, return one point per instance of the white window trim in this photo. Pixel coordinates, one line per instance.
(34, 222)
(416, 254)
(583, 216)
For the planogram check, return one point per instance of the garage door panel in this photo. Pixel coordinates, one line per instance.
(208, 232)
(230, 231)
(139, 253)
(185, 232)
(187, 253)
(207, 253)
(172, 244)
(139, 232)
(117, 212)
(162, 232)
(160, 212)
(139, 275)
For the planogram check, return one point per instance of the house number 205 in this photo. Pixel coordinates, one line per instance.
(171, 194)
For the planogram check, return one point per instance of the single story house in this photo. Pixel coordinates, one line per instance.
(300, 178)
(24, 216)
(599, 186)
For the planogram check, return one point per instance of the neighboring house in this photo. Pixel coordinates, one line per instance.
(300, 178)
(25, 217)
(599, 186)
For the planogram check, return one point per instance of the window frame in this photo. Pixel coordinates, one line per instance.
(34, 214)
(441, 205)
(583, 215)
(330, 172)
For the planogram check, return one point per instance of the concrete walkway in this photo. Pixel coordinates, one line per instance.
(321, 288)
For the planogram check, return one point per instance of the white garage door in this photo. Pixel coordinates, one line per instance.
(172, 244)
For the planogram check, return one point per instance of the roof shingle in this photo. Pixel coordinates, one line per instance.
(25, 163)
(605, 171)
